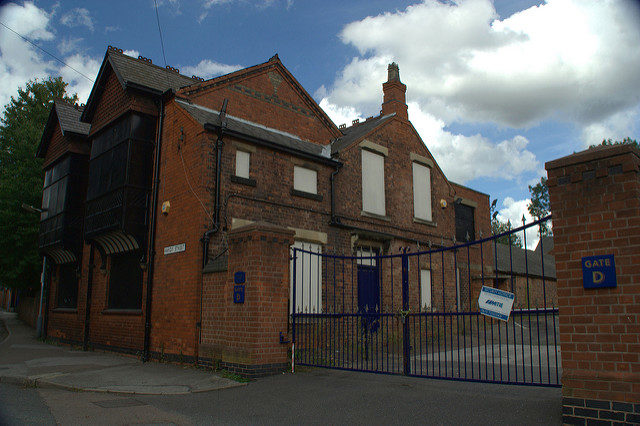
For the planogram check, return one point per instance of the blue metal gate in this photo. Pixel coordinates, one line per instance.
(416, 313)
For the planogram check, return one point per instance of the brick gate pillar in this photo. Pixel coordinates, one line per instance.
(244, 335)
(595, 202)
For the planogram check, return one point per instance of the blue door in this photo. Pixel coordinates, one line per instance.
(369, 296)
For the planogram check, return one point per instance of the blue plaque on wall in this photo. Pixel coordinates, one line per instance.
(599, 271)
(238, 277)
(238, 294)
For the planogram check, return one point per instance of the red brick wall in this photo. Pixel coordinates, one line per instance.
(595, 201)
(60, 145)
(254, 97)
(247, 335)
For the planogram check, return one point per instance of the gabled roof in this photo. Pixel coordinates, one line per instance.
(257, 132)
(68, 117)
(134, 73)
(546, 244)
(516, 263)
(273, 62)
(357, 131)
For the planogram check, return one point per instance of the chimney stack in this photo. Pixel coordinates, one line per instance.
(394, 94)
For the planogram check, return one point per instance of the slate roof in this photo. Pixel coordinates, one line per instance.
(357, 131)
(517, 263)
(69, 118)
(255, 131)
(140, 72)
(547, 244)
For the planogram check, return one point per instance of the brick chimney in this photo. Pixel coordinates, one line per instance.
(394, 94)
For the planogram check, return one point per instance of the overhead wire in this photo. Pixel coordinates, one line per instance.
(45, 51)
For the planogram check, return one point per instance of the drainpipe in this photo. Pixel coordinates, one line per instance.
(42, 278)
(333, 213)
(152, 237)
(87, 309)
(216, 208)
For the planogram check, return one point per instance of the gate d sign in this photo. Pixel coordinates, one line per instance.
(495, 303)
(598, 271)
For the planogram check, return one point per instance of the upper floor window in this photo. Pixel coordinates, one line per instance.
(54, 192)
(465, 223)
(305, 180)
(421, 192)
(373, 200)
(242, 164)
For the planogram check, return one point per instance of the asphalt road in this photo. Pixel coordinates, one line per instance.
(312, 396)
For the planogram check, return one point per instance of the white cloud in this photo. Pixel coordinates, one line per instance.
(77, 17)
(207, 69)
(616, 127)
(77, 83)
(132, 53)
(68, 45)
(513, 211)
(569, 60)
(21, 62)
(340, 115)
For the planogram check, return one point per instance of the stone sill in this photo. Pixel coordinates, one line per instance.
(131, 312)
(375, 216)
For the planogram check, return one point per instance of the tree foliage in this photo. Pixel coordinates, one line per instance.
(21, 128)
(539, 205)
(499, 227)
(609, 142)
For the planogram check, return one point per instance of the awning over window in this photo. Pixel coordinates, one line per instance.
(59, 256)
(116, 242)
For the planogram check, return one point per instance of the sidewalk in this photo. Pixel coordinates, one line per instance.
(27, 361)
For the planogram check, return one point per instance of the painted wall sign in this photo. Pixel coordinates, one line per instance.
(599, 271)
(238, 294)
(495, 303)
(239, 277)
(175, 249)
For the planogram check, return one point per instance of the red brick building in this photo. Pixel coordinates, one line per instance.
(152, 187)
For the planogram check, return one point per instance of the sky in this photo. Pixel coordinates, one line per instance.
(495, 88)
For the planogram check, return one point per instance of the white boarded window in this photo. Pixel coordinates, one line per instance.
(308, 282)
(242, 164)
(421, 192)
(305, 180)
(425, 289)
(373, 183)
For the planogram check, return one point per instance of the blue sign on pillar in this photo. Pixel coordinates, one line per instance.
(599, 271)
(238, 294)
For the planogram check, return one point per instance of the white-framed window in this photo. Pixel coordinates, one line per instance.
(242, 164)
(421, 192)
(308, 282)
(305, 180)
(373, 200)
(425, 289)
(366, 256)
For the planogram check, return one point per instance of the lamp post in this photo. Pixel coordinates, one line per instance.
(32, 209)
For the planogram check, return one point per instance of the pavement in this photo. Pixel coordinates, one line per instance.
(27, 361)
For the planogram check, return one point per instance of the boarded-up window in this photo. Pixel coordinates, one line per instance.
(305, 180)
(373, 183)
(308, 278)
(242, 164)
(421, 192)
(125, 282)
(425, 289)
(67, 296)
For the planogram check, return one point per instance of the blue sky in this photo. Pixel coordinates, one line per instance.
(495, 89)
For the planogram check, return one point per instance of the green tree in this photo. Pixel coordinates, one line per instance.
(498, 227)
(609, 142)
(539, 205)
(21, 128)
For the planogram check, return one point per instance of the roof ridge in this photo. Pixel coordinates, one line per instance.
(146, 61)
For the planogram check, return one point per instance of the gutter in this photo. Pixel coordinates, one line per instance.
(152, 237)
(87, 313)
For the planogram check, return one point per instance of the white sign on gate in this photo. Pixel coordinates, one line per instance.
(495, 303)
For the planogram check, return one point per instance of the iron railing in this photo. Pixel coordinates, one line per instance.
(416, 313)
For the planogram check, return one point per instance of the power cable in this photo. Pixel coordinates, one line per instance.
(48, 53)
(160, 31)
